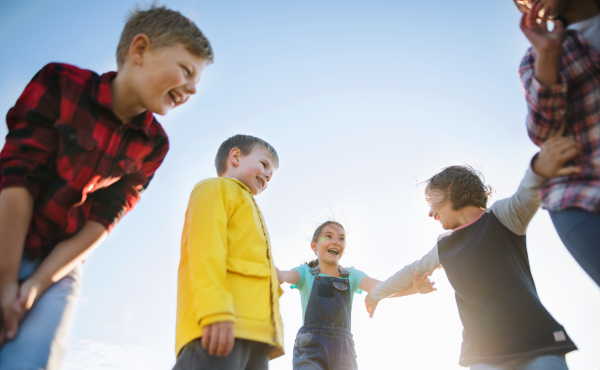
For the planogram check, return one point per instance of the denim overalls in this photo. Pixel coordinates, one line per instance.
(325, 341)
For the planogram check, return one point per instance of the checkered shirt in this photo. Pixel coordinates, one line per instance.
(79, 161)
(571, 109)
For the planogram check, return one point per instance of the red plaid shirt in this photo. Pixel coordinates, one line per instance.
(571, 109)
(78, 160)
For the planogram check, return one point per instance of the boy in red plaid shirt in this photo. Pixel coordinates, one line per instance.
(80, 149)
(561, 78)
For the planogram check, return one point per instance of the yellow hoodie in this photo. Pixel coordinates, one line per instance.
(226, 272)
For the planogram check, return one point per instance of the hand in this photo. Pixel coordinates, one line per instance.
(554, 153)
(10, 318)
(423, 284)
(543, 41)
(370, 304)
(218, 338)
(29, 292)
(279, 276)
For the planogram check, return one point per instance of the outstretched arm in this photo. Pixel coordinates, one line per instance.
(517, 211)
(420, 285)
(289, 276)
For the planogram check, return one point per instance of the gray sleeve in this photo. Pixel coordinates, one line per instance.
(403, 279)
(517, 211)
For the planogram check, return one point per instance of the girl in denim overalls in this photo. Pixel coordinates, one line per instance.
(326, 290)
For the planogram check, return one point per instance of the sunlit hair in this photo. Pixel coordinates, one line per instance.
(164, 27)
(525, 6)
(463, 185)
(245, 143)
(316, 235)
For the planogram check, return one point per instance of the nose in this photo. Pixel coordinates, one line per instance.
(190, 88)
(268, 175)
(430, 214)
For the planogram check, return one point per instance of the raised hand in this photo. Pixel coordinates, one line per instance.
(218, 338)
(554, 153)
(544, 41)
(423, 284)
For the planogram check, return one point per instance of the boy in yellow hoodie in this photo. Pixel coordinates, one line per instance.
(227, 292)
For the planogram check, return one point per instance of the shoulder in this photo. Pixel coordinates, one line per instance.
(303, 269)
(221, 185)
(443, 235)
(353, 271)
(68, 72)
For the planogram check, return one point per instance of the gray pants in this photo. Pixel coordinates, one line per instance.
(245, 355)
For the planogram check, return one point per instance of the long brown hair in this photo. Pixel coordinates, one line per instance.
(316, 235)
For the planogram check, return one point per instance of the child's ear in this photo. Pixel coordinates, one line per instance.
(313, 246)
(234, 157)
(138, 48)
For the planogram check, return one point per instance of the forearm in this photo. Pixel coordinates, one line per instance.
(546, 71)
(403, 293)
(403, 279)
(16, 207)
(67, 254)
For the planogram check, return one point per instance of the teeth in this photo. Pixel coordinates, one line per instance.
(334, 251)
(176, 98)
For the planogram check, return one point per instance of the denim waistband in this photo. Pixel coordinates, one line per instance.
(341, 332)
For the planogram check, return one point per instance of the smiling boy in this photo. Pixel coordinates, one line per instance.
(227, 292)
(80, 149)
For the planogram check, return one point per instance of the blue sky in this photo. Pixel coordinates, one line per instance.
(362, 101)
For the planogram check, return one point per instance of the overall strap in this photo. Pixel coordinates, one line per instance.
(315, 270)
(343, 272)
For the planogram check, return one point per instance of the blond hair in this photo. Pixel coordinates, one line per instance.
(164, 27)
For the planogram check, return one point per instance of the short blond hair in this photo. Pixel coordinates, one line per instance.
(164, 27)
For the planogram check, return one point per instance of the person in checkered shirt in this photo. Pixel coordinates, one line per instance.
(561, 78)
(80, 149)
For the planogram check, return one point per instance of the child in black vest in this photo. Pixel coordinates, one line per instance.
(485, 258)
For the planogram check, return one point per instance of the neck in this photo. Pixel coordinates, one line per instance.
(327, 269)
(125, 105)
(578, 11)
(468, 214)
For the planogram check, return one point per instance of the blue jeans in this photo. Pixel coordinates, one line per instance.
(549, 362)
(579, 230)
(245, 355)
(42, 337)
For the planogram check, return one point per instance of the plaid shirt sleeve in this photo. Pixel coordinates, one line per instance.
(112, 203)
(31, 143)
(546, 105)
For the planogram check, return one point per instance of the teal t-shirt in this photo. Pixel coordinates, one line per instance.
(307, 279)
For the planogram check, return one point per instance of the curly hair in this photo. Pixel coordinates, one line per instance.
(462, 184)
(315, 237)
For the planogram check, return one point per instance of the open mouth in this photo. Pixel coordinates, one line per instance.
(177, 99)
(261, 182)
(333, 251)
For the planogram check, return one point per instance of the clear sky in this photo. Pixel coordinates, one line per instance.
(361, 100)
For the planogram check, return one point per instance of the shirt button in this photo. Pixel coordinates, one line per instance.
(107, 156)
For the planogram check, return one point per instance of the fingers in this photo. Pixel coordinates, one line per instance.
(559, 27)
(225, 340)
(206, 336)
(544, 21)
(566, 171)
(214, 341)
(218, 338)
